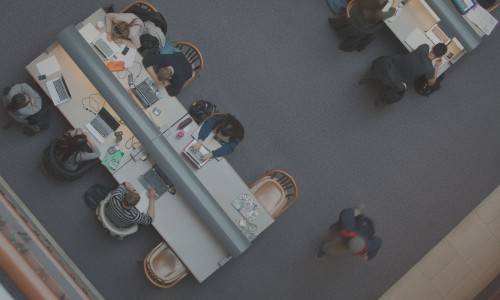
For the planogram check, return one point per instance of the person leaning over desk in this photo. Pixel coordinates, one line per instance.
(170, 70)
(125, 29)
(122, 211)
(228, 132)
(70, 149)
(365, 18)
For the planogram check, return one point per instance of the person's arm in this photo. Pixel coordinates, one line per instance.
(110, 19)
(432, 80)
(149, 62)
(373, 245)
(119, 192)
(154, 76)
(151, 207)
(134, 41)
(225, 149)
(207, 127)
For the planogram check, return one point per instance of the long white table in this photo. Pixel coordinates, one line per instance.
(175, 220)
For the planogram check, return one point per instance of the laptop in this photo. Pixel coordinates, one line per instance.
(102, 125)
(146, 92)
(195, 157)
(156, 179)
(108, 49)
(58, 90)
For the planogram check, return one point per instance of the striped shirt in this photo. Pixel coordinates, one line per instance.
(124, 217)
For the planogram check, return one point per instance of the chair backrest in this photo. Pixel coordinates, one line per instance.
(147, 12)
(163, 268)
(113, 230)
(54, 168)
(286, 182)
(193, 55)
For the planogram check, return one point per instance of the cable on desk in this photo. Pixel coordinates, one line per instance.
(91, 103)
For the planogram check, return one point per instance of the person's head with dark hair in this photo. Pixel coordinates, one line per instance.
(165, 73)
(439, 50)
(131, 199)
(67, 146)
(18, 101)
(228, 126)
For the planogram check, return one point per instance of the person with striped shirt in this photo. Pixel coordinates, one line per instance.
(122, 211)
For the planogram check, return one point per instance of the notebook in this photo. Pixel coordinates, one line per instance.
(195, 157)
(156, 179)
(102, 125)
(146, 92)
(58, 90)
(108, 49)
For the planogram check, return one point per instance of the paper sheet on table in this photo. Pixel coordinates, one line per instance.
(89, 32)
(48, 66)
(111, 161)
(416, 38)
(482, 18)
(129, 58)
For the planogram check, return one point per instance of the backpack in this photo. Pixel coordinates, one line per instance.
(146, 15)
(148, 42)
(365, 224)
(202, 109)
(424, 89)
(95, 194)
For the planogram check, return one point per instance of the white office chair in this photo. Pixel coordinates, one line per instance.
(112, 229)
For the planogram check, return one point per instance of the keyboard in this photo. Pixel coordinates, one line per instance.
(101, 126)
(146, 93)
(61, 89)
(155, 181)
(463, 5)
(101, 45)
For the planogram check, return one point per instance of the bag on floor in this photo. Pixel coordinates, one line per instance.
(95, 194)
(424, 89)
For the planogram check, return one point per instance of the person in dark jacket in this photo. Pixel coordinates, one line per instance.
(228, 132)
(170, 70)
(349, 234)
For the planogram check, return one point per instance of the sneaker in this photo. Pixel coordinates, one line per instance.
(320, 254)
(31, 129)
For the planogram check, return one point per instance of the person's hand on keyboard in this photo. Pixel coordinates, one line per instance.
(196, 146)
(209, 155)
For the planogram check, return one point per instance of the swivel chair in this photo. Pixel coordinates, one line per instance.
(51, 165)
(276, 190)
(113, 230)
(163, 268)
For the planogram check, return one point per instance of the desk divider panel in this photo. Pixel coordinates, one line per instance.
(456, 23)
(156, 145)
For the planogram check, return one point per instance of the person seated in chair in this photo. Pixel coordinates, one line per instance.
(71, 149)
(125, 29)
(23, 102)
(122, 211)
(170, 70)
(228, 132)
(365, 18)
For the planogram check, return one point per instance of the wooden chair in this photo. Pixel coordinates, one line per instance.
(193, 55)
(163, 268)
(276, 190)
(140, 4)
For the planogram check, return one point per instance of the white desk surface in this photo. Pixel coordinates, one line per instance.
(414, 14)
(175, 220)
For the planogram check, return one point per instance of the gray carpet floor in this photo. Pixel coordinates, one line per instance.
(420, 165)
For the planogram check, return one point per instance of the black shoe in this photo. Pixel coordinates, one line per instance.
(109, 8)
(320, 254)
(31, 129)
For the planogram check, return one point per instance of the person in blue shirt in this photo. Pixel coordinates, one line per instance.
(228, 132)
(351, 234)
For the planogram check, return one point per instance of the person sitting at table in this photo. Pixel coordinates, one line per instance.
(170, 70)
(228, 132)
(125, 29)
(122, 211)
(365, 18)
(25, 105)
(71, 149)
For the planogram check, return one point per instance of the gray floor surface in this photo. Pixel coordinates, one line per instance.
(420, 166)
